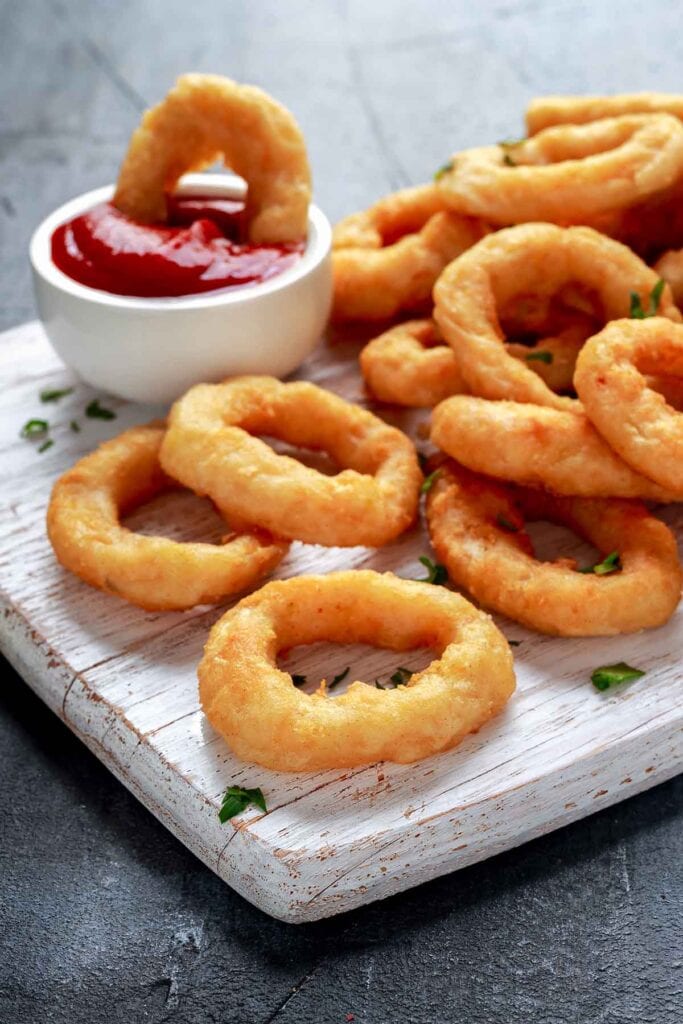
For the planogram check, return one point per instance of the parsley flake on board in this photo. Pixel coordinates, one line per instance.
(444, 169)
(340, 677)
(401, 676)
(75, 426)
(34, 428)
(236, 799)
(54, 394)
(637, 312)
(95, 411)
(612, 563)
(45, 445)
(429, 481)
(540, 357)
(610, 675)
(505, 524)
(436, 573)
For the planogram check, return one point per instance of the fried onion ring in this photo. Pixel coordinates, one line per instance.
(386, 259)
(265, 719)
(207, 117)
(83, 524)
(209, 448)
(538, 447)
(496, 563)
(570, 174)
(634, 419)
(547, 111)
(540, 258)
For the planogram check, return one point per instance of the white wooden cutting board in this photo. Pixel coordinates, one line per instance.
(124, 681)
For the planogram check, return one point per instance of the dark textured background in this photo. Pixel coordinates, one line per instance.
(103, 915)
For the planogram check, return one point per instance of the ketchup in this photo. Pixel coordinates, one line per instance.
(198, 249)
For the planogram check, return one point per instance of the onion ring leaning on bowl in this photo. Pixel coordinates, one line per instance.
(528, 258)
(83, 523)
(634, 419)
(207, 117)
(266, 719)
(477, 528)
(571, 174)
(208, 447)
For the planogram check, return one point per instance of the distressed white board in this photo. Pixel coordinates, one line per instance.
(124, 681)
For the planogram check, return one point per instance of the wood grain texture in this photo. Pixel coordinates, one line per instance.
(124, 681)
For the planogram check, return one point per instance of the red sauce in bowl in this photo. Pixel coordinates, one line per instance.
(198, 249)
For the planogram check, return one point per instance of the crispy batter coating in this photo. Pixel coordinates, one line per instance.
(210, 448)
(496, 563)
(570, 174)
(538, 447)
(264, 718)
(546, 111)
(205, 118)
(633, 418)
(670, 267)
(387, 258)
(83, 524)
(540, 259)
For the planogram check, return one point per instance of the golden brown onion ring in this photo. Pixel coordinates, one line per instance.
(209, 447)
(531, 258)
(538, 447)
(546, 111)
(264, 718)
(207, 117)
(83, 524)
(633, 418)
(386, 258)
(570, 174)
(477, 528)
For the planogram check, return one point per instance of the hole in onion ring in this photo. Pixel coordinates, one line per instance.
(179, 515)
(552, 543)
(377, 664)
(315, 459)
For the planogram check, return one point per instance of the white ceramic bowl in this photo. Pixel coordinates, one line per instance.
(151, 350)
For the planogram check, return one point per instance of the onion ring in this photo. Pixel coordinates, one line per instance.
(386, 259)
(408, 364)
(83, 524)
(635, 420)
(541, 258)
(496, 563)
(265, 719)
(537, 447)
(207, 117)
(547, 111)
(569, 174)
(208, 447)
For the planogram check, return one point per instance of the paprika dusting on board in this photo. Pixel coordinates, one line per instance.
(198, 249)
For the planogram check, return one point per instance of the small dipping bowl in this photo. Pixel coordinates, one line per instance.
(152, 350)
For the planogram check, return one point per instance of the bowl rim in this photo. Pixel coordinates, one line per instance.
(229, 186)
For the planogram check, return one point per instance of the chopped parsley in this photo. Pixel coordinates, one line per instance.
(511, 143)
(610, 675)
(436, 573)
(95, 411)
(236, 799)
(637, 312)
(508, 161)
(34, 428)
(506, 524)
(540, 356)
(45, 445)
(298, 680)
(612, 563)
(54, 394)
(401, 676)
(444, 169)
(340, 677)
(75, 426)
(429, 481)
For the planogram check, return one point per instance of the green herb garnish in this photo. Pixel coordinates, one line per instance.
(98, 412)
(610, 564)
(45, 445)
(401, 676)
(34, 428)
(511, 143)
(610, 675)
(637, 312)
(237, 799)
(444, 169)
(429, 482)
(75, 426)
(54, 394)
(436, 573)
(541, 357)
(508, 161)
(505, 524)
(298, 680)
(338, 679)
